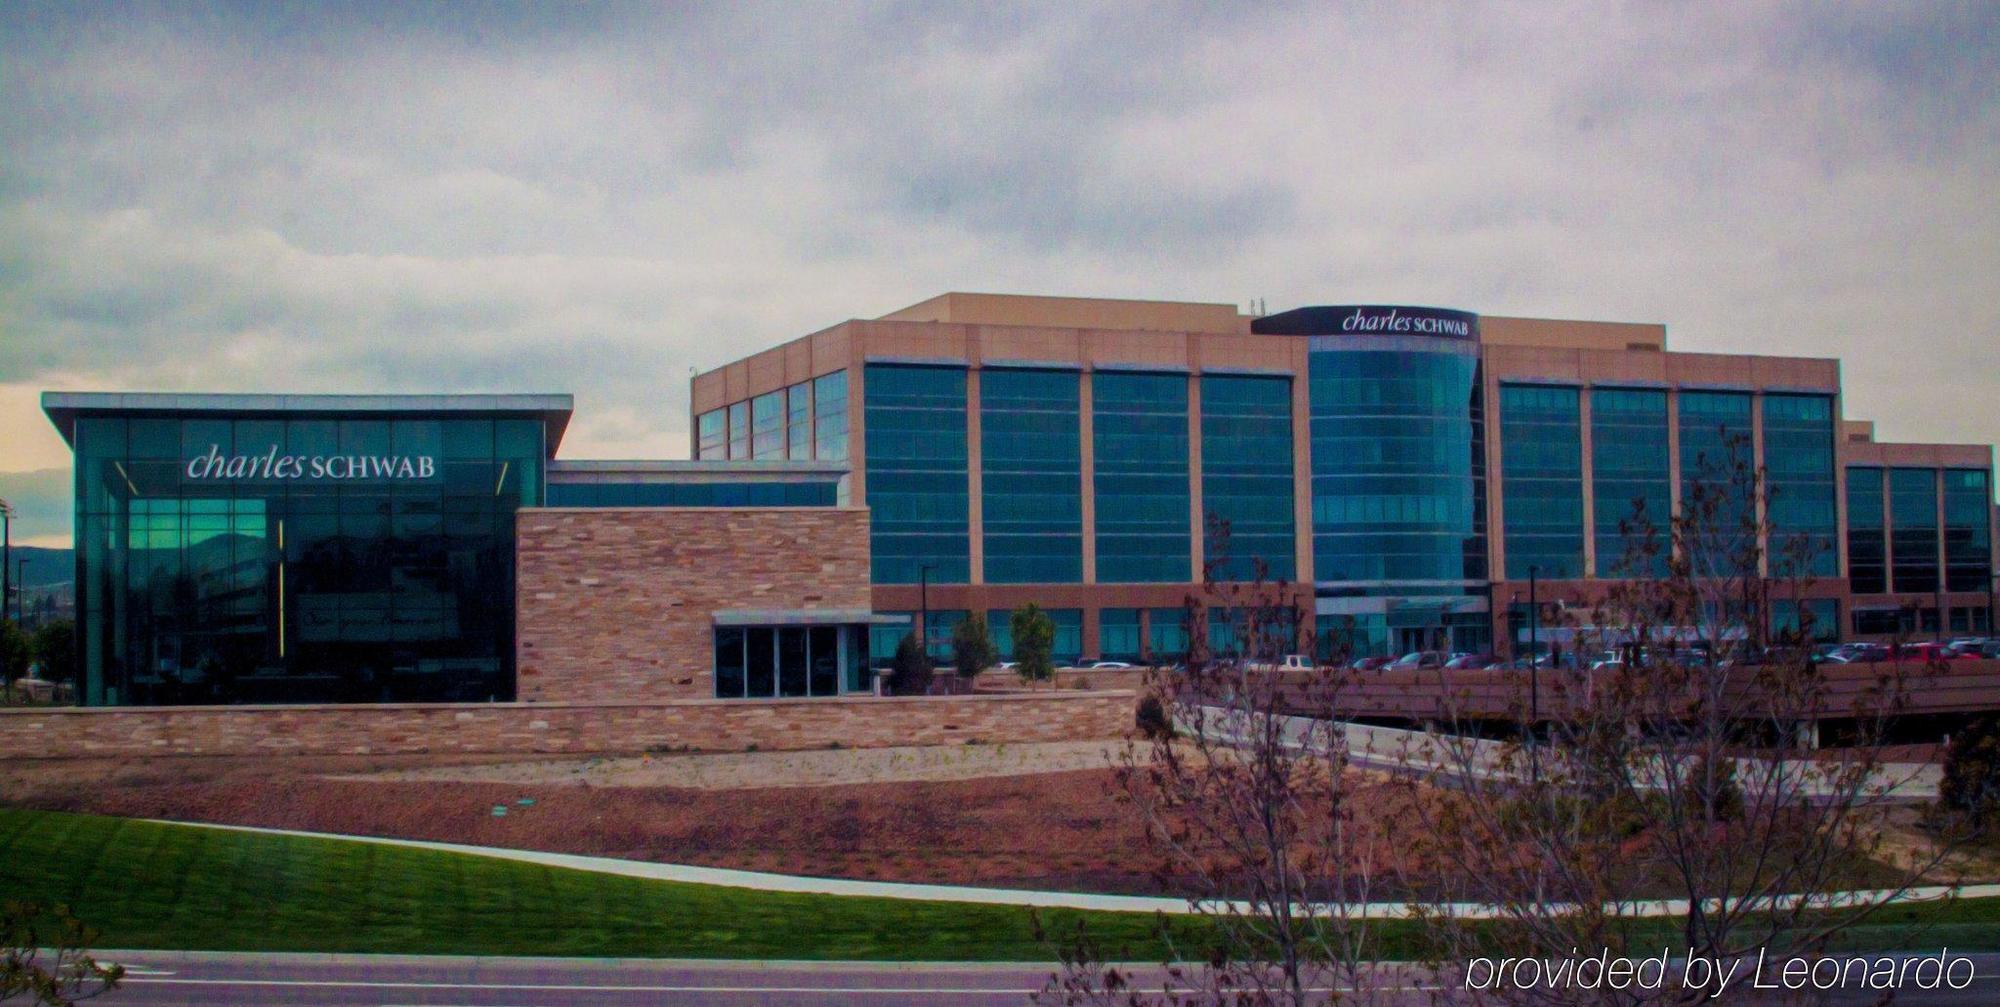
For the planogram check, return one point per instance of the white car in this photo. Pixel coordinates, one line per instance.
(1108, 665)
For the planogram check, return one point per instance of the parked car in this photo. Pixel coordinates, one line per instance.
(1926, 651)
(1373, 663)
(1420, 659)
(1471, 661)
(1108, 665)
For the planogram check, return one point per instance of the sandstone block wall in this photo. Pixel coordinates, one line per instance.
(616, 605)
(701, 725)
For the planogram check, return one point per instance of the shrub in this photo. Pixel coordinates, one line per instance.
(1151, 719)
(910, 672)
(1970, 789)
(1034, 643)
(55, 649)
(972, 649)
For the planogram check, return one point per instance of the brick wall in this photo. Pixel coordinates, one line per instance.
(615, 605)
(702, 725)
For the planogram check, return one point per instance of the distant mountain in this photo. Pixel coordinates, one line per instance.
(45, 566)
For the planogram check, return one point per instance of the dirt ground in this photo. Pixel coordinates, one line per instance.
(1059, 830)
(740, 770)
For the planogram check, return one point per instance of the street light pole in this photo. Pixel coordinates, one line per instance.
(20, 590)
(6, 555)
(924, 602)
(1534, 674)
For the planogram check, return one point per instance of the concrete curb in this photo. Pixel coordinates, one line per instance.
(847, 887)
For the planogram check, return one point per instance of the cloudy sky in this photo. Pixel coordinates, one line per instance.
(294, 197)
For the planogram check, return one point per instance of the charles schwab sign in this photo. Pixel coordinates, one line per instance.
(277, 465)
(1369, 320)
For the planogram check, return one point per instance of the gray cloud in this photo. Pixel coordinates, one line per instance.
(599, 198)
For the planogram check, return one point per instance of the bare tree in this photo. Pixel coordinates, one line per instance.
(42, 956)
(1683, 766)
(1249, 807)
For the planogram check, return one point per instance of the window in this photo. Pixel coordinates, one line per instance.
(1398, 458)
(1799, 472)
(712, 433)
(792, 662)
(1140, 432)
(798, 421)
(1913, 535)
(1166, 634)
(1541, 457)
(830, 417)
(1968, 542)
(916, 468)
(1631, 482)
(1717, 457)
(1032, 476)
(739, 430)
(1867, 555)
(1814, 620)
(767, 426)
(1118, 634)
(1246, 480)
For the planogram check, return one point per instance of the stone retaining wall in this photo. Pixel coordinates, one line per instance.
(703, 725)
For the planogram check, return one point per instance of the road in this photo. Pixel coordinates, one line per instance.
(207, 979)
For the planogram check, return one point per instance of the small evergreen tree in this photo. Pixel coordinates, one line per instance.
(1034, 643)
(55, 650)
(910, 672)
(1970, 789)
(16, 651)
(972, 649)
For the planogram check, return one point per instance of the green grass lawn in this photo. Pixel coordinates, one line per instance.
(145, 885)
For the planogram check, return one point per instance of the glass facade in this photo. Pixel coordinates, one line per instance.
(1246, 481)
(1140, 440)
(299, 557)
(694, 494)
(1800, 479)
(830, 417)
(916, 473)
(1968, 530)
(1808, 619)
(1867, 543)
(1913, 529)
(1715, 429)
(1118, 634)
(1541, 461)
(787, 662)
(1397, 465)
(1031, 483)
(1631, 482)
(1166, 634)
(807, 420)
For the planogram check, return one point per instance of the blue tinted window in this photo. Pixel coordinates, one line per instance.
(1118, 634)
(1166, 634)
(830, 417)
(1913, 528)
(1717, 459)
(1140, 434)
(916, 472)
(1631, 481)
(1968, 543)
(1246, 480)
(1541, 454)
(1397, 466)
(712, 435)
(1802, 508)
(1867, 549)
(1031, 484)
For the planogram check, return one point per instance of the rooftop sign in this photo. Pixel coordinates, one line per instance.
(1370, 320)
(273, 465)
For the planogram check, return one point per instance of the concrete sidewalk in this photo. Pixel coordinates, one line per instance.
(796, 884)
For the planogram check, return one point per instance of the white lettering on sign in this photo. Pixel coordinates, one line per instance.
(1393, 320)
(271, 465)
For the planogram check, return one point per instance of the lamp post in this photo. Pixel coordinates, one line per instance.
(6, 555)
(924, 603)
(20, 590)
(1534, 674)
